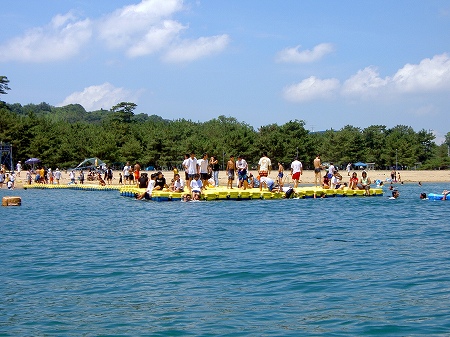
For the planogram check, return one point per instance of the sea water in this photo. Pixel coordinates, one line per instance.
(79, 263)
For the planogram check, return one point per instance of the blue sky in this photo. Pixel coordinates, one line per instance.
(329, 63)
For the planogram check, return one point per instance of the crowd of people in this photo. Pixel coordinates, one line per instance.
(200, 174)
(203, 173)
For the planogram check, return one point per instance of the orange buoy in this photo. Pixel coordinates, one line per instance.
(11, 201)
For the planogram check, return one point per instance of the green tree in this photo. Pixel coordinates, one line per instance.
(124, 111)
(349, 145)
(4, 85)
(402, 146)
(447, 139)
(374, 138)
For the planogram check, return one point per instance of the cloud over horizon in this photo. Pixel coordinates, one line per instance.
(311, 88)
(430, 75)
(96, 97)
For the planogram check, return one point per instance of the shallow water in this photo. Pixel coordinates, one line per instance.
(94, 263)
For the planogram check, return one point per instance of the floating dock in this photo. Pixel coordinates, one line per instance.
(222, 193)
(83, 187)
(218, 193)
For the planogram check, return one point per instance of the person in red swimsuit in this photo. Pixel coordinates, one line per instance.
(353, 181)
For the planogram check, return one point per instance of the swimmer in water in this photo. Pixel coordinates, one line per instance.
(395, 194)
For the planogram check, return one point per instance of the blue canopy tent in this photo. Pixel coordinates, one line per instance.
(360, 165)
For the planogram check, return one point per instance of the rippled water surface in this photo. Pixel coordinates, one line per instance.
(77, 263)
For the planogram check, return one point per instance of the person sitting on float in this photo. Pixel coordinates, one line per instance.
(178, 184)
(364, 183)
(325, 181)
(196, 187)
(160, 182)
(336, 181)
(353, 181)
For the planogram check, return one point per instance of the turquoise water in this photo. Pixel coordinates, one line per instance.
(77, 263)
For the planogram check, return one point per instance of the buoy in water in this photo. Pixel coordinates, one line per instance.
(11, 201)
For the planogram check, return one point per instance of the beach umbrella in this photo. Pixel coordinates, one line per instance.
(32, 161)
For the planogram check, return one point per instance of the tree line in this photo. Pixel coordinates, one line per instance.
(64, 136)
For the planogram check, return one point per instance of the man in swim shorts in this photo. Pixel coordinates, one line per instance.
(264, 165)
(296, 171)
(231, 168)
(317, 169)
(280, 174)
(242, 167)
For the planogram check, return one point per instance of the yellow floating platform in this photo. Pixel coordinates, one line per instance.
(85, 187)
(222, 193)
(217, 193)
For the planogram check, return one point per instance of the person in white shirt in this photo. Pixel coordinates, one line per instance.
(264, 165)
(186, 167)
(57, 175)
(268, 182)
(331, 171)
(178, 184)
(349, 167)
(19, 168)
(126, 173)
(336, 181)
(203, 169)
(192, 167)
(196, 187)
(296, 171)
(242, 167)
(150, 186)
(72, 177)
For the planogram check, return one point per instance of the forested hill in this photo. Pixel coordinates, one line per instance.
(72, 113)
(64, 136)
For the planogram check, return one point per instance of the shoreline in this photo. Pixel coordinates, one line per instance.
(307, 178)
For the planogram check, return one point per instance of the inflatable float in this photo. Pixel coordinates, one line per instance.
(434, 196)
(11, 201)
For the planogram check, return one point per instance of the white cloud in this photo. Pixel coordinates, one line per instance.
(152, 31)
(155, 39)
(61, 39)
(294, 55)
(364, 82)
(98, 97)
(310, 89)
(137, 30)
(131, 24)
(426, 110)
(191, 50)
(427, 76)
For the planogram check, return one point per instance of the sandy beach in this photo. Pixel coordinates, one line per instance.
(413, 176)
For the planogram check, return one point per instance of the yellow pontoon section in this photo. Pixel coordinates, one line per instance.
(218, 193)
(222, 193)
